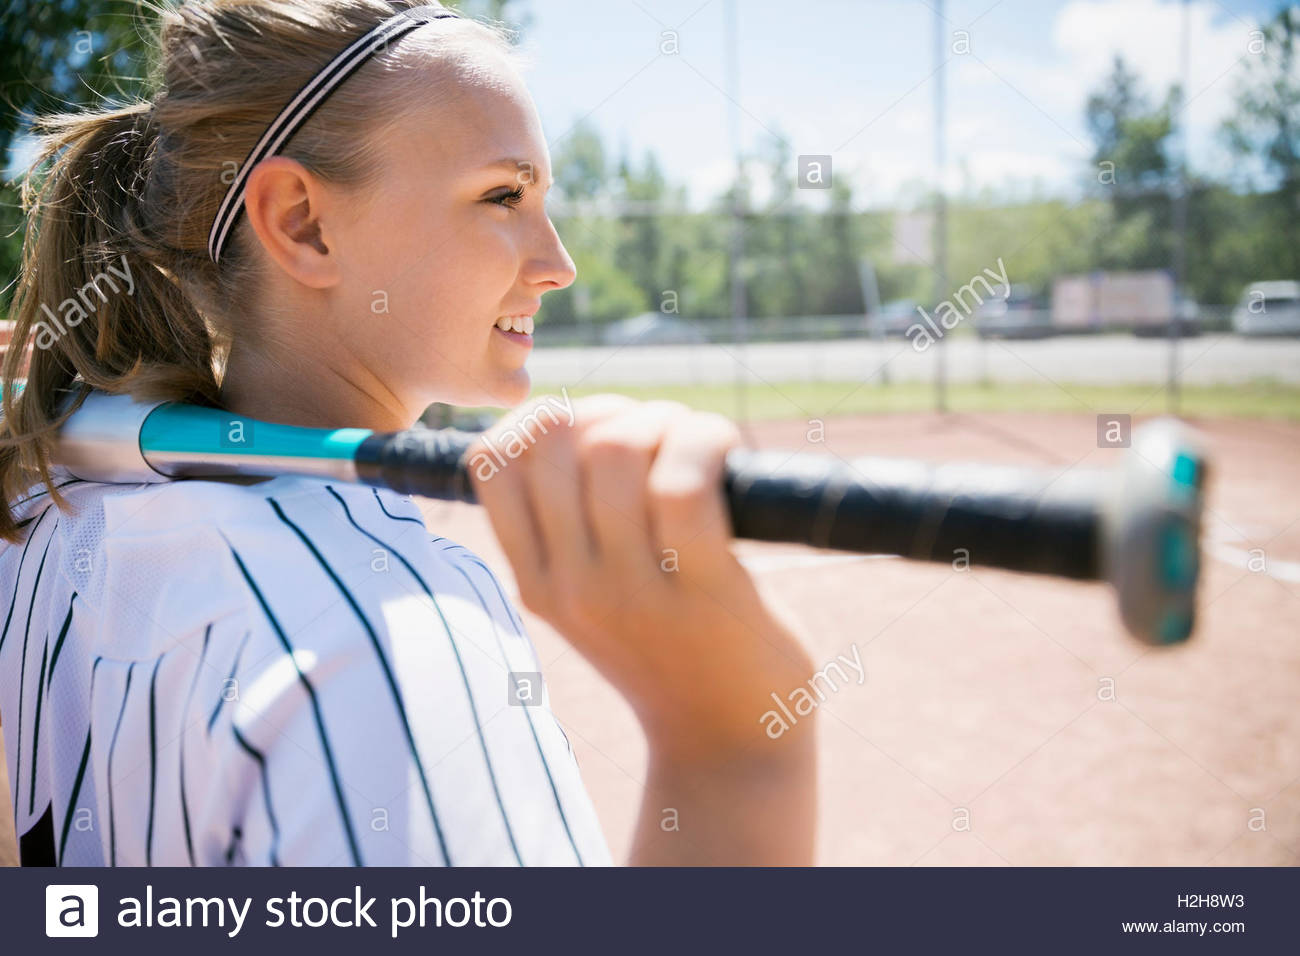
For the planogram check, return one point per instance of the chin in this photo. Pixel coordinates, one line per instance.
(514, 390)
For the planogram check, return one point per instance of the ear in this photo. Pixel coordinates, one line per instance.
(287, 206)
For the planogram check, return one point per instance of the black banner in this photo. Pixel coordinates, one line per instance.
(662, 911)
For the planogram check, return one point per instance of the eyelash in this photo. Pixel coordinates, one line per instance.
(511, 199)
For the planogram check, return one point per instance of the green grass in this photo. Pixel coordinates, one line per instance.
(795, 400)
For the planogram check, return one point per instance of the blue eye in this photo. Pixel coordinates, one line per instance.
(510, 199)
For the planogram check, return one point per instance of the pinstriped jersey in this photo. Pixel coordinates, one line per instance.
(293, 672)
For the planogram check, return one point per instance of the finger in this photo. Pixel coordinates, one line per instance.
(504, 494)
(616, 454)
(510, 499)
(685, 489)
(556, 483)
(554, 480)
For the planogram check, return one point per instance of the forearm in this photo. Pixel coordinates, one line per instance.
(755, 808)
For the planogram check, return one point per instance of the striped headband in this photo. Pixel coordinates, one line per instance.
(300, 109)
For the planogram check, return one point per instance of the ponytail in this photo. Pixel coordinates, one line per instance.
(92, 307)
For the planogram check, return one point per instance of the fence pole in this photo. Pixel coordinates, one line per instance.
(738, 331)
(871, 306)
(940, 206)
(1180, 211)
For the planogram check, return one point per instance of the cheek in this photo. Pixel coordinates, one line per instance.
(477, 273)
(417, 270)
(444, 279)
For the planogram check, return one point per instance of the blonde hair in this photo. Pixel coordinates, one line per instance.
(136, 188)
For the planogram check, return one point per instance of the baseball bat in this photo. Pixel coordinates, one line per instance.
(1136, 526)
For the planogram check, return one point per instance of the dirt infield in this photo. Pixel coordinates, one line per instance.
(979, 735)
(983, 732)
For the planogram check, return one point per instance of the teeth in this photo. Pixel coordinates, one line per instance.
(516, 323)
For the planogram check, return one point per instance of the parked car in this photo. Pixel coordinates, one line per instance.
(441, 415)
(652, 328)
(894, 318)
(1019, 315)
(1268, 308)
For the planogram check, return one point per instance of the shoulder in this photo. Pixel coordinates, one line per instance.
(290, 555)
(224, 513)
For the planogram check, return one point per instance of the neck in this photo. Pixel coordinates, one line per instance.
(312, 392)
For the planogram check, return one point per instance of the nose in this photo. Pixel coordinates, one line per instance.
(550, 266)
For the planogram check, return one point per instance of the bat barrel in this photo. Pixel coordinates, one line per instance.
(1153, 523)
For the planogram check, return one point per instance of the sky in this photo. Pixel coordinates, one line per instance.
(854, 79)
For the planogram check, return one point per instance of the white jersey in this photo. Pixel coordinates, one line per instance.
(294, 672)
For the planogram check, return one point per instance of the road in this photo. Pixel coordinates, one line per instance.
(1100, 360)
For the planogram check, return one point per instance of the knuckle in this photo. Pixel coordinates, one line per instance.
(677, 491)
(556, 433)
(537, 408)
(668, 407)
(723, 430)
(595, 407)
(541, 420)
(606, 447)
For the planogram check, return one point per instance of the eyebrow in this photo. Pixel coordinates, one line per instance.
(513, 164)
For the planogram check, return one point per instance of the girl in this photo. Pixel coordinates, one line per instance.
(332, 213)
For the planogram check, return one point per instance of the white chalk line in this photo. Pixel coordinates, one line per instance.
(1214, 547)
(1218, 545)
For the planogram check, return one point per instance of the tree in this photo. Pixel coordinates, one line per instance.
(581, 169)
(645, 247)
(503, 11)
(1132, 169)
(1267, 122)
(776, 238)
(1265, 132)
(54, 56)
(63, 54)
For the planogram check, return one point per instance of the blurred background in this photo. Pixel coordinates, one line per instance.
(937, 229)
(733, 172)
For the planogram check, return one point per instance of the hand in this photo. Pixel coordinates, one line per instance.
(614, 521)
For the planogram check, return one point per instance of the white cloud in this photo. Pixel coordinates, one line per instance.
(706, 181)
(862, 93)
(1015, 118)
(1016, 172)
(1147, 33)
